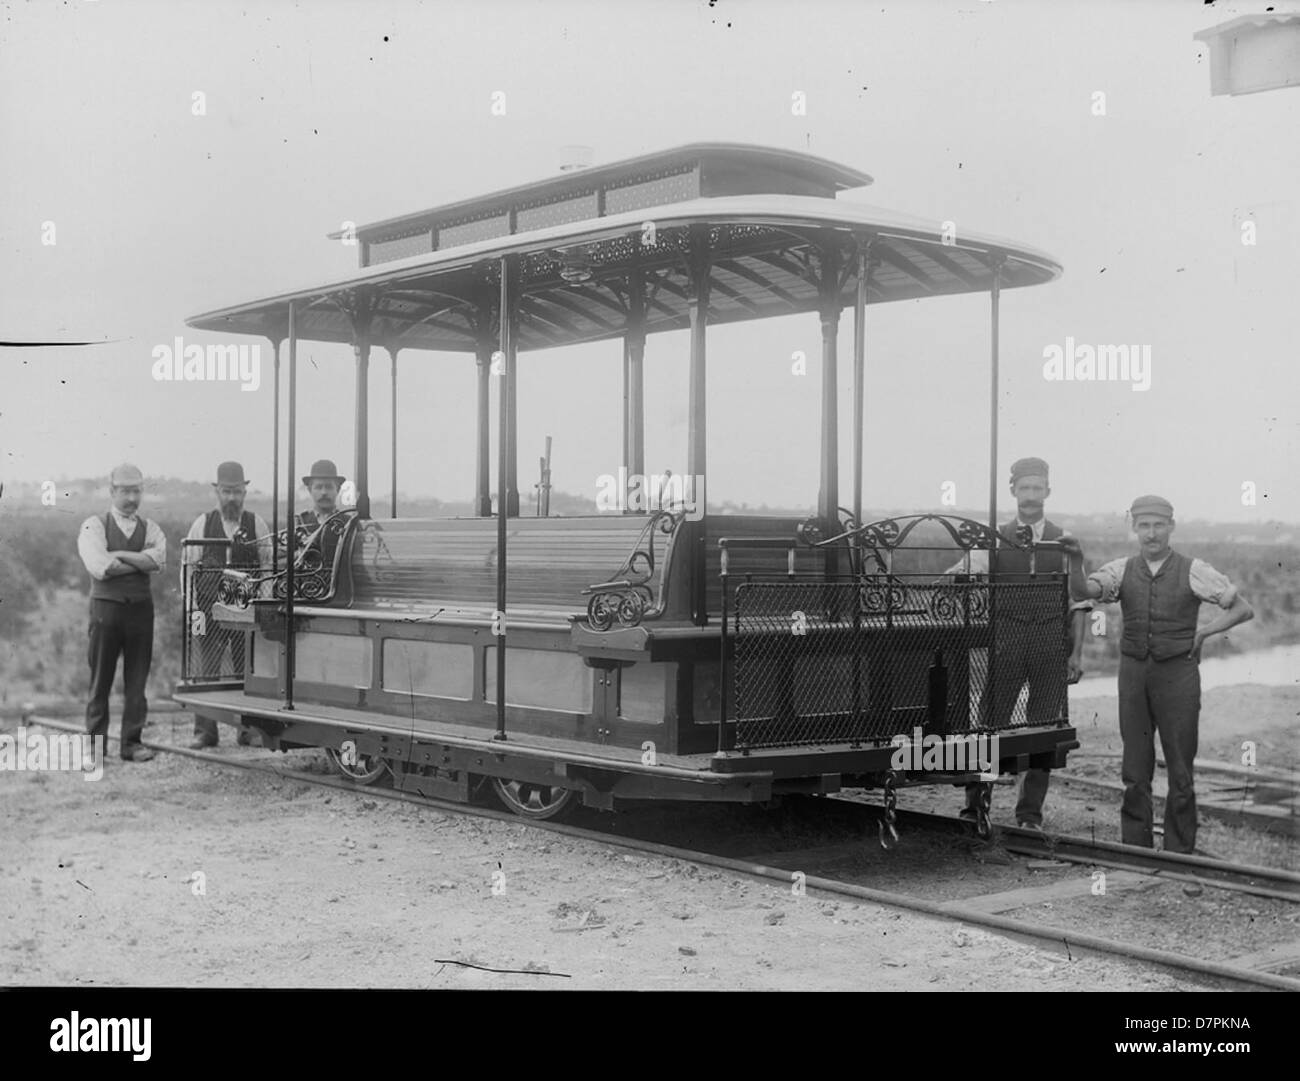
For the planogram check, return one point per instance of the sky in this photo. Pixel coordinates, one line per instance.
(987, 114)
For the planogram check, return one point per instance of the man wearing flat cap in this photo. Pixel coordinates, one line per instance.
(1160, 593)
(121, 550)
(1022, 649)
(239, 539)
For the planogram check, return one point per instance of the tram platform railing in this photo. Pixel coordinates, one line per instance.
(860, 657)
(210, 653)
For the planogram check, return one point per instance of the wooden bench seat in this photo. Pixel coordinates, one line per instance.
(419, 562)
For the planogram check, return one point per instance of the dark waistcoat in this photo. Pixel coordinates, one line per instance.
(123, 587)
(1159, 613)
(1042, 604)
(243, 546)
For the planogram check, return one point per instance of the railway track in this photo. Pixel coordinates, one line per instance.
(1203, 872)
(1264, 800)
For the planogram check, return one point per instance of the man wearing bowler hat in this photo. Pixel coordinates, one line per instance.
(1022, 648)
(1160, 593)
(323, 484)
(247, 547)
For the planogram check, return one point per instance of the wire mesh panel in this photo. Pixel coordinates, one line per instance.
(211, 653)
(864, 659)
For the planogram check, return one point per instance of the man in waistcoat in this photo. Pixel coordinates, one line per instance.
(323, 483)
(248, 549)
(121, 550)
(1160, 593)
(1025, 623)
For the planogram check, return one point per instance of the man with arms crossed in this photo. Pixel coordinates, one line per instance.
(1160, 593)
(121, 550)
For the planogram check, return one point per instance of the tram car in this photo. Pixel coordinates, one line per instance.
(666, 652)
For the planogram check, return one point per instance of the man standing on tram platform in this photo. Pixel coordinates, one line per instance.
(324, 484)
(1160, 593)
(1022, 648)
(249, 550)
(121, 550)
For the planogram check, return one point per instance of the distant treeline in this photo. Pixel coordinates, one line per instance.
(38, 555)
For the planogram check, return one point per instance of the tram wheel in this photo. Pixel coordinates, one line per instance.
(367, 769)
(535, 801)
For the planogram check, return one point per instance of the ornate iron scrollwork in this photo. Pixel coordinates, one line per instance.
(880, 596)
(382, 565)
(313, 579)
(627, 599)
(958, 603)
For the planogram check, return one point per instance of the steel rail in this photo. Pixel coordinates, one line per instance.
(1173, 866)
(936, 909)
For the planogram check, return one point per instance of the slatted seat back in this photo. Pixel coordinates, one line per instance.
(452, 562)
(741, 561)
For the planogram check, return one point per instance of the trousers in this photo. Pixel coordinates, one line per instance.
(1165, 697)
(1020, 657)
(119, 630)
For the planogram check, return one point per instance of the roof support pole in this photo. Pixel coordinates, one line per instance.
(275, 455)
(482, 457)
(865, 266)
(510, 425)
(697, 416)
(361, 347)
(392, 352)
(505, 454)
(828, 498)
(291, 531)
(995, 297)
(634, 380)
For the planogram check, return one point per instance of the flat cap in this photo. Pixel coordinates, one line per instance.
(1028, 467)
(1151, 504)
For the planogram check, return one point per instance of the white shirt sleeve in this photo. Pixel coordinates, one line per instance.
(155, 544)
(92, 546)
(1109, 576)
(1210, 586)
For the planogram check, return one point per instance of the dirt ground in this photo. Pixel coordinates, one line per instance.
(307, 887)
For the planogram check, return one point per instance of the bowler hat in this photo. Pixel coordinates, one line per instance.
(229, 474)
(323, 470)
(1028, 467)
(1152, 504)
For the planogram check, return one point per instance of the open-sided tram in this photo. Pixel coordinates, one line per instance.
(664, 653)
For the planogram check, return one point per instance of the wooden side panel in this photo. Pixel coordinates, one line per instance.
(429, 669)
(543, 679)
(341, 660)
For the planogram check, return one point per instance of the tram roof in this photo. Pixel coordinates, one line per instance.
(680, 173)
(763, 251)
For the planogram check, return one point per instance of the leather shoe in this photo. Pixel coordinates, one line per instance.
(200, 743)
(138, 754)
